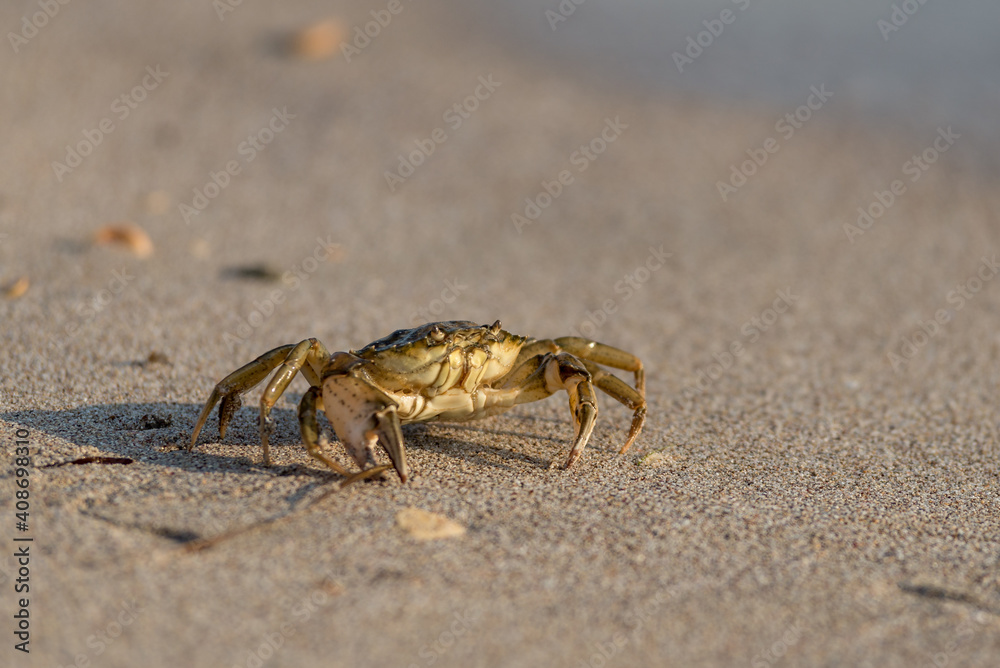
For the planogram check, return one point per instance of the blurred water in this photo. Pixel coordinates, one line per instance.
(942, 65)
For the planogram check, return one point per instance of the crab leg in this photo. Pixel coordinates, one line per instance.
(310, 436)
(232, 386)
(592, 353)
(606, 355)
(229, 389)
(619, 390)
(302, 358)
(546, 374)
(586, 349)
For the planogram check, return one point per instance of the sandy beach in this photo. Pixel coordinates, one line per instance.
(812, 295)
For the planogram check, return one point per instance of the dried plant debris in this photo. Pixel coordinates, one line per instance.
(133, 237)
(255, 272)
(91, 460)
(148, 421)
(935, 592)
(179, 535)
(17, 289)
(424, 525)
(155, 357)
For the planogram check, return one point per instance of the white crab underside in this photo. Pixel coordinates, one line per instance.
(455, 405)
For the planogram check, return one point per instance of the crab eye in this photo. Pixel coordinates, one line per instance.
(496, 327)
(437, 334)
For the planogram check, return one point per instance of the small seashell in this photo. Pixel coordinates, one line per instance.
(318, 41)
(130, 235)
(658, 458)
(424, 525)
(17, 289)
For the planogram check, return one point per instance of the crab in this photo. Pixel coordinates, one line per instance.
(449, 371)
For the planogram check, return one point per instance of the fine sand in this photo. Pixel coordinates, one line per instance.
(798, 496)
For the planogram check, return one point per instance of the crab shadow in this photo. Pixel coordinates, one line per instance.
(429, 438)
(159, 433)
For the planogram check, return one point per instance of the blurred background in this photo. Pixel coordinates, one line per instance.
(700, 86)
(936, 66)
(708, 82)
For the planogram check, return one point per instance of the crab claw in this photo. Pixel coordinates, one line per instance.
(363, 416)
(390, 436)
